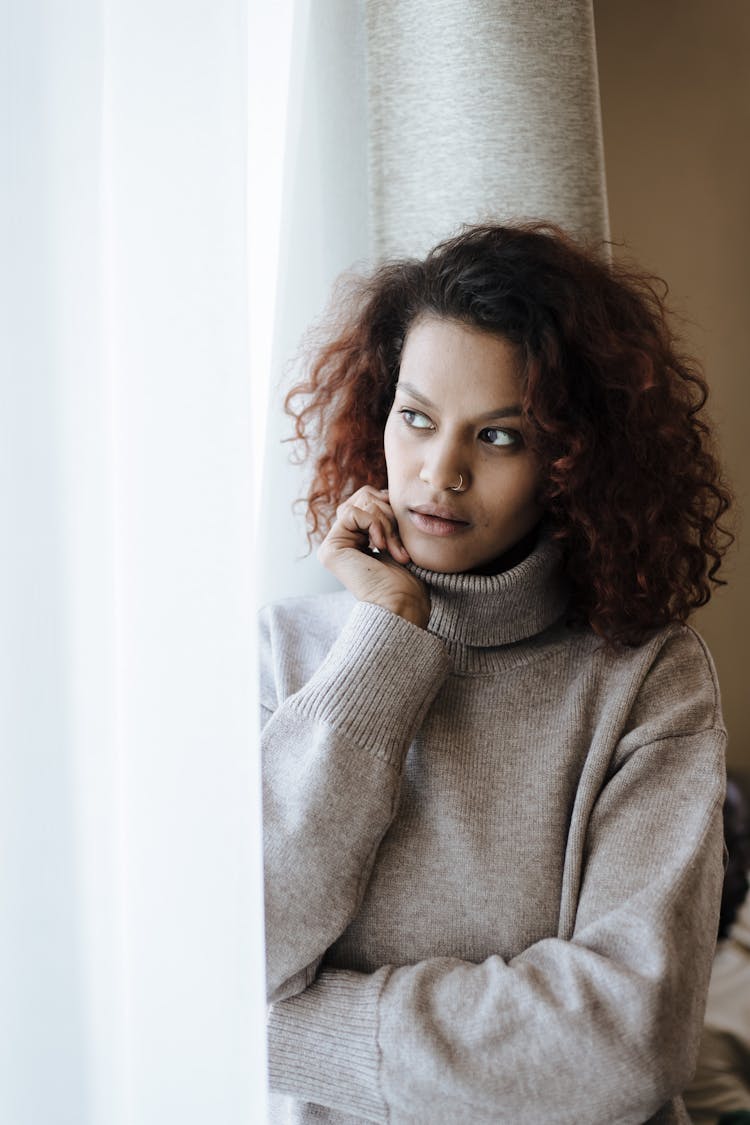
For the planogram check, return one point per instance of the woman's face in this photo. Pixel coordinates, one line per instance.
(456, 421)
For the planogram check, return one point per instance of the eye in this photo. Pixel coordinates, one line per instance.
(416, 420)
(497, 437)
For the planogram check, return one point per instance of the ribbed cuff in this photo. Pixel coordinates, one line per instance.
(322, 1044)
(379, 658)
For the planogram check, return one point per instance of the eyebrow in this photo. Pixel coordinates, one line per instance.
(513, 411)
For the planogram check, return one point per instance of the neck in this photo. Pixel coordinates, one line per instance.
(513, 603)
(512, 557)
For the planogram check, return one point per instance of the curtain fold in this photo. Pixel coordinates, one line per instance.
(324, 231)
(130, 947)
(482, 109)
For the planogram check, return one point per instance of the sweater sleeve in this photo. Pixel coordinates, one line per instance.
(332, 759)
(603, 1026)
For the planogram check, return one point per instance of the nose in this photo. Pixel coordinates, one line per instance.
(445, 470)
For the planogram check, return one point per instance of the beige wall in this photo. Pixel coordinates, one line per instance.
(675, 91)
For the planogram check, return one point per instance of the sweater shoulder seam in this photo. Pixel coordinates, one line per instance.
(714, 728)
(708, 661)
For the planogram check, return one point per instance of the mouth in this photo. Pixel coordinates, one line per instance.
(437, 521)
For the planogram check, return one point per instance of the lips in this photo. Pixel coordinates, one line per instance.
(437, 520)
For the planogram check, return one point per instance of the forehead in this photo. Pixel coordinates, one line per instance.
(445, 357)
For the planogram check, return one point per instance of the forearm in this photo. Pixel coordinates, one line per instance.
(564, 1036)
(602, 1027)
(333, 755)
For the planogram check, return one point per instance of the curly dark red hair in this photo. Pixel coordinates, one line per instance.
(633, 489)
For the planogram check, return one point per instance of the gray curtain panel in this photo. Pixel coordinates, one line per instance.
(481, 109)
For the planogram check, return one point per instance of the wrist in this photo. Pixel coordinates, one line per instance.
(415, 610)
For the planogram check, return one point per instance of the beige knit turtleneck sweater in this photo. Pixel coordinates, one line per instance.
(493, 859)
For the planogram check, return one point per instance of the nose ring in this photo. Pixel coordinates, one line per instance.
(457, 487)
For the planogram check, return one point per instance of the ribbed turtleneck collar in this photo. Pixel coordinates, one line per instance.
(487, 610)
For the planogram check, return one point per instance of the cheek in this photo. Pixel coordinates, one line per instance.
(394, 452)
(528, 483)
(388, 446)
(516, 500)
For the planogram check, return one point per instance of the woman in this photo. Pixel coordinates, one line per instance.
(494, 763)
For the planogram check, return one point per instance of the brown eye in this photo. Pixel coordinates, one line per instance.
(500, 437)
(416, 420)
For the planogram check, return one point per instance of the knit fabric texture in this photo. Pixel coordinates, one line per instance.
(481, 109)
(493, 859)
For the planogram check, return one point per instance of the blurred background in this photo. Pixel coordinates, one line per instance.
(675, 95)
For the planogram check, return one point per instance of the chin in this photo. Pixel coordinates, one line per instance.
(451, 559)
(442, 561)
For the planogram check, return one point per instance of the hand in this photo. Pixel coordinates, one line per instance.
(365, 521)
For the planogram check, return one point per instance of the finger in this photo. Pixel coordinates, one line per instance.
(367, 497)
(380, 504)
(358, 499)
(378, 535)
(354, 521)
(358, 502)
(395, 547)
(367, 514)
(369, 507)
(384, 535)
(362, 496)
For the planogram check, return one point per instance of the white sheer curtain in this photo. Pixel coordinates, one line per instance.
(130, 951)
(324, 230)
